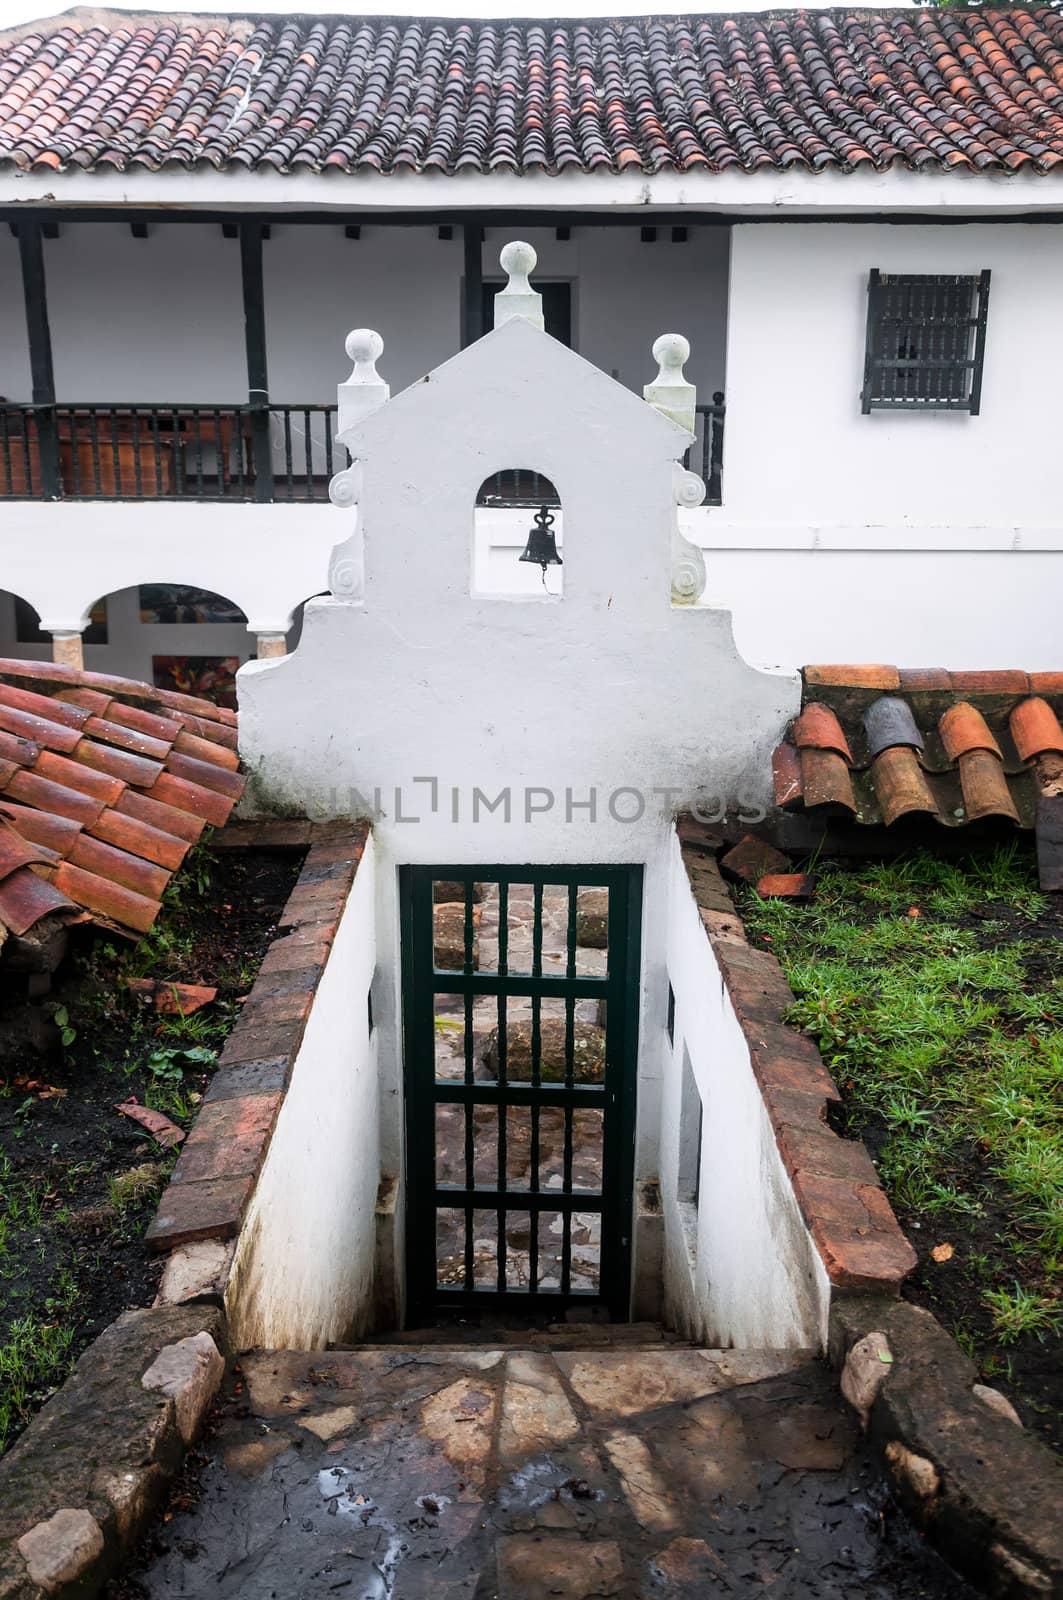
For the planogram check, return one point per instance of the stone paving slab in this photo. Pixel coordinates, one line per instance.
(508, 1474)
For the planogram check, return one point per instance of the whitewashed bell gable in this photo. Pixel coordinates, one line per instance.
(609, 687)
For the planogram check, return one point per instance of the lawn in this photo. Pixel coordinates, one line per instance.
(934, 989)
(78, 1181)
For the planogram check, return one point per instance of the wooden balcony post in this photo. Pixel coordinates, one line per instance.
(257, 370)
(31, 255)
(472, 322)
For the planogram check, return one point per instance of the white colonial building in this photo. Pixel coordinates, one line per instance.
(853, 221)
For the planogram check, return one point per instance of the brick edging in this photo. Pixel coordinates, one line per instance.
(220, 1161)
(851, 1221)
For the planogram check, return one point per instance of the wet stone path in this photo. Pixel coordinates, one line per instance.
(538, 1473)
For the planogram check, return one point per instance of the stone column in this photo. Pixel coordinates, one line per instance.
(68, 650)
(270, 644)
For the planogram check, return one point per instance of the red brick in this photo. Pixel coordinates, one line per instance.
(788, 1060)
(756, 986)
(229, 1138)
(1046, 682)
(252, 1044)
(697, 834)
(915, 680)
(878, 1261)
(290, 980)
(832, 676)
(190, 1211)
(824, 1153)
(1007, 682)
(303, 957)
(794, 1108)
(269, 1010)
(751, 858)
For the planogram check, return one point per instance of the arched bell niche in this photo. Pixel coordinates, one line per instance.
(518, 541)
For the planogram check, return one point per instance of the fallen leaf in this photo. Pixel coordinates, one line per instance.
(914, 911)
(162, 1130)
(942, 1252)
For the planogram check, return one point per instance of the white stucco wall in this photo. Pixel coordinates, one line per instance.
(799, 452)
(64, 556)
(742, 1270)
(304, 1265)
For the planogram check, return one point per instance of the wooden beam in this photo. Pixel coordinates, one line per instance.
(254, 294)
(473, 320)
(38, 333)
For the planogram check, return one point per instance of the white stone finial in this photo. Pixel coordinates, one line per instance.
(518, 298)
(365, 390)
(670, 393)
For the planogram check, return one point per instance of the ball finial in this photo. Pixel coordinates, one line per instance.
(517, 260)
(671, 351)
(364, 346)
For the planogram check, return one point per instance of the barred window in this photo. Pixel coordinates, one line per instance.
(925, 341)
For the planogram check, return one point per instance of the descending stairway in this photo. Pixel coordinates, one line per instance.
(556, 1463)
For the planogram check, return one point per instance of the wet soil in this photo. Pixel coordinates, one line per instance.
(72, 1258)
(1030, 1369)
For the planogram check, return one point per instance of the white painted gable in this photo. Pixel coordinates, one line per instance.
(609, 688)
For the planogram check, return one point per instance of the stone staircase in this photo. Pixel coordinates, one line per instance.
(564, 1462)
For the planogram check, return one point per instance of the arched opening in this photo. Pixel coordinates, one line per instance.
(518, 536)
(21, 634)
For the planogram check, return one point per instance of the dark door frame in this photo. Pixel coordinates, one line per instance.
(616, 1096)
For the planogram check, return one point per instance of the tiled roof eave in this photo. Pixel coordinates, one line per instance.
(843, 92)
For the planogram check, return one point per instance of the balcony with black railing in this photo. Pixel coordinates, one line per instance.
(266, 453)
(172, 452)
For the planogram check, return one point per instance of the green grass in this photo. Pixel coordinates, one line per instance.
(938, 1004)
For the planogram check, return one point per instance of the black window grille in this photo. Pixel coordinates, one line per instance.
(925, 341)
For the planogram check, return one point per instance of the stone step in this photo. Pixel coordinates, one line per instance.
(634, 1336)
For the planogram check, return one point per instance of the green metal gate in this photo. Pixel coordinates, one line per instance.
(520, 1016)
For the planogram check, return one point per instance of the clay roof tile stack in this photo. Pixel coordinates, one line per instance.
(877, 744)
(942, 89)
(105, 784)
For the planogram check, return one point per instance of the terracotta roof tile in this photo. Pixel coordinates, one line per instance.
(1035, 728)
(817, 728)
(964, 728)
(958, 747)
(900, 784)
(985, 788)
(25, 899)
(88, 808)
(930, 90)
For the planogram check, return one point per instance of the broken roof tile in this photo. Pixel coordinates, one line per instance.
(931, 90)
(86, 801)
(25, 899)
(817, 728)
(938, 738)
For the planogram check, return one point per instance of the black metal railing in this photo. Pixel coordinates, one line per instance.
(705, 456)
(174, 452)
(263, 452)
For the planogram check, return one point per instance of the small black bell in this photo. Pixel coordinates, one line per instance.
(541, 546)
